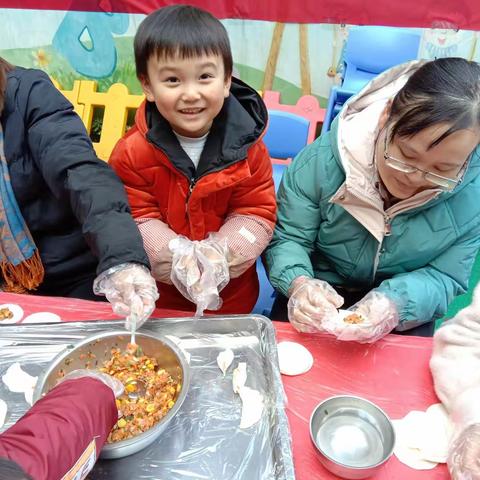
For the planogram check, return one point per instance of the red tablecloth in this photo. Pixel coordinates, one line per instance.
(393, 373)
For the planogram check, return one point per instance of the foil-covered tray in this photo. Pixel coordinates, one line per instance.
(203, 440)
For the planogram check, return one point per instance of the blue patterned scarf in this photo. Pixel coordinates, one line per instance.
(20, 261)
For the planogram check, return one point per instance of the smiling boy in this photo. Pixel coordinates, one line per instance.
(194, 164)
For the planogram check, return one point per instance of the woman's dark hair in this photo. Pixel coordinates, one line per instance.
(446, 90)
(11, 471)
(181, 30)
(4, 68)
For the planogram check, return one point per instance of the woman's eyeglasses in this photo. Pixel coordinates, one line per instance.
(438, 180)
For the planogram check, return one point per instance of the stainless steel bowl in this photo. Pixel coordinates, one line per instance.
(93, 351)
(353, 437)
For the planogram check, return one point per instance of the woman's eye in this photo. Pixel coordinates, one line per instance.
(405, 156)
(445, 169)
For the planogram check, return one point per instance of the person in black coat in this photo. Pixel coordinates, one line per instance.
(66, 228)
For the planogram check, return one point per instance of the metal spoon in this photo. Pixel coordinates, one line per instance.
(139, 391)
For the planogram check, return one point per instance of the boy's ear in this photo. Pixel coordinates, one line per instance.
(146, 87)
(226, 87)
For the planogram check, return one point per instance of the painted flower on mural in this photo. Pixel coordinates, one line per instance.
(41, 58)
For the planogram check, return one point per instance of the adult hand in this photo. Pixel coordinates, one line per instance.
(464, 456)
(131, 290)
(113, 383)
(380, 317)
(310, 303)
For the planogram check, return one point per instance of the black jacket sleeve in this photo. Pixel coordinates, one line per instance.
(64, 154)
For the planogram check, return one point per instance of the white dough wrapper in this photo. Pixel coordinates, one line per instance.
(294, 358)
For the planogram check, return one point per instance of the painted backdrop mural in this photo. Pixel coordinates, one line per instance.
(294, 59)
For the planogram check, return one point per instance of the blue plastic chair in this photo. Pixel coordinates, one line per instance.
(368, 52)
(266, 294)
(286, 134)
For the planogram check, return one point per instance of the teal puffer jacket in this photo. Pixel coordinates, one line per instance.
(422, 265)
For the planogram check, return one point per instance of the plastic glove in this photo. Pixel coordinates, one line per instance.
(213, 254)
(113, 383)
(131, 290)
(464, 456)
(311, 302)
(199, 271)
(381, 317)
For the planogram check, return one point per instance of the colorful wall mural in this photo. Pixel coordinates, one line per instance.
(291, 58)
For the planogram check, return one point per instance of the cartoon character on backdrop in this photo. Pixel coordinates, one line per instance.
(441, 42)
(86, 40)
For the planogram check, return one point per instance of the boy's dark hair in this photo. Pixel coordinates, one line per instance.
(181, 30)
(446, 90)
(11, 471)
(4, 68)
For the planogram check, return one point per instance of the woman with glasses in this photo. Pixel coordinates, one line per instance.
(381, 215)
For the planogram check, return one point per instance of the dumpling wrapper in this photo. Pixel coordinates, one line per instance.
(415, 425)
(252, 406)
(42, 317)
(224, 360)
(239, 377)
(16, 310)
(294, 358)
(3, 412)
(436, 440)
(17, 380)
(405, 454)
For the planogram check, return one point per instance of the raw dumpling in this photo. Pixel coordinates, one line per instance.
(224, 360)
(252, 406)
(3, 412)
(294, 358)
(239, 377)
(19, 381)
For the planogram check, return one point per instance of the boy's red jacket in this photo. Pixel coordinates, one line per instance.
(234, 177)
(52, 436)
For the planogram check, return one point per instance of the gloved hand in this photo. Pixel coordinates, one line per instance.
(199, 272)
(380, 318)
(111, 382)
(213, 254)
(131, 290)
(464, 456)
(310, 303)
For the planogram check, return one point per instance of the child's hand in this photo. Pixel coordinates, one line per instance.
(213, 254)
